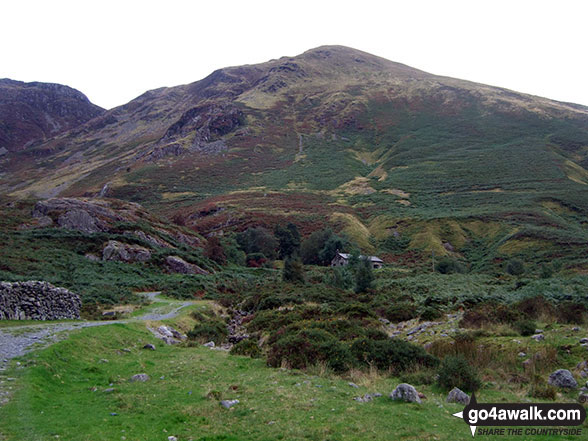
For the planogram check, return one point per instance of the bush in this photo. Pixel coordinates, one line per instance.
(535, 307)
(214, 250)
(341, 277)
(570, 312)
(306, 347)
(455, 371)
(293, 270)
(450, 266)
(247, 347)
(258, 240)
(211, 331)
(430, 313)
(525, 327)
(400, 312)
(392, 354)
(515, 267)
(489, 313)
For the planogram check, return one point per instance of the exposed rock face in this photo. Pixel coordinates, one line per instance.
(562, 378)
(36, 111)
(123, 252)
(37, 301)
(176, 264)
(405, 392)
(456, 395)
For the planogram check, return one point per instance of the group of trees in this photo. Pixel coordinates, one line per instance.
(258, 246)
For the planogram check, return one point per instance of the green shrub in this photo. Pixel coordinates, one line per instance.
(210, 331)
(515, 267)
(455, 371)
(525, 327)
(341, 277)
(303, 348)
(355, 310)
(391, 354)
(247, 347)
(571, 312)
(293, 270)
(450, 266)
(431, 313)
(399, 312)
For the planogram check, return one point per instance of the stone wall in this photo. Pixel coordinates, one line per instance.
(37, 301)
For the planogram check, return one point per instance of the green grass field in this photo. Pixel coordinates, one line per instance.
(60, 395)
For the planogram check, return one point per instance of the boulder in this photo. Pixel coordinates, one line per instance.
(405, 392)
(176, 264)
(562, 378)
(123, 252)
(149, 346)
(227, 404)
(458, 396)
(140, 377)
(538, 337)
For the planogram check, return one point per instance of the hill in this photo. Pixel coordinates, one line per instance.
(33, 112)
(339, 137)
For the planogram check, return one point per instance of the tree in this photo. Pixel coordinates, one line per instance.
(214, 250)
(258, 240)
(321, 246)
(364, 276)
(289, 240)
(293, 270)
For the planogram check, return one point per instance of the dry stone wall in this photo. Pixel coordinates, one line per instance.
(37, 301)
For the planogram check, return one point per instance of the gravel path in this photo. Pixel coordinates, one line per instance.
(18, 340)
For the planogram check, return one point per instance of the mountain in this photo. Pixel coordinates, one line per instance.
(34, 112)
(338, 137)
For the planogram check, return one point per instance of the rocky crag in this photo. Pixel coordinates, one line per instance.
(37, 301)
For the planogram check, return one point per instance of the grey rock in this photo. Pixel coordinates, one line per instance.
(538, 337)
(353, 385)
(80, 220)
(522, 354)
(172, 438)
(122, 252)
(562, 378)
(405, 392)
(176, 264)
(575, 329)
(149, 346)
(210, 344)
(538, 331)
(109, 390)
(458, 396)
(140, 377)
(584, 340)
(227, 404)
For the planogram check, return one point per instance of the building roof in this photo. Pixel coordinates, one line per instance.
(346, 256)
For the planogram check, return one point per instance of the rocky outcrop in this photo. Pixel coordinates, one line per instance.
(123, 252)
(33, 112)
(176, 264)
(37, 301)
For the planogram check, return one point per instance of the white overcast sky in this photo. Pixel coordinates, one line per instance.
(114, 51)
